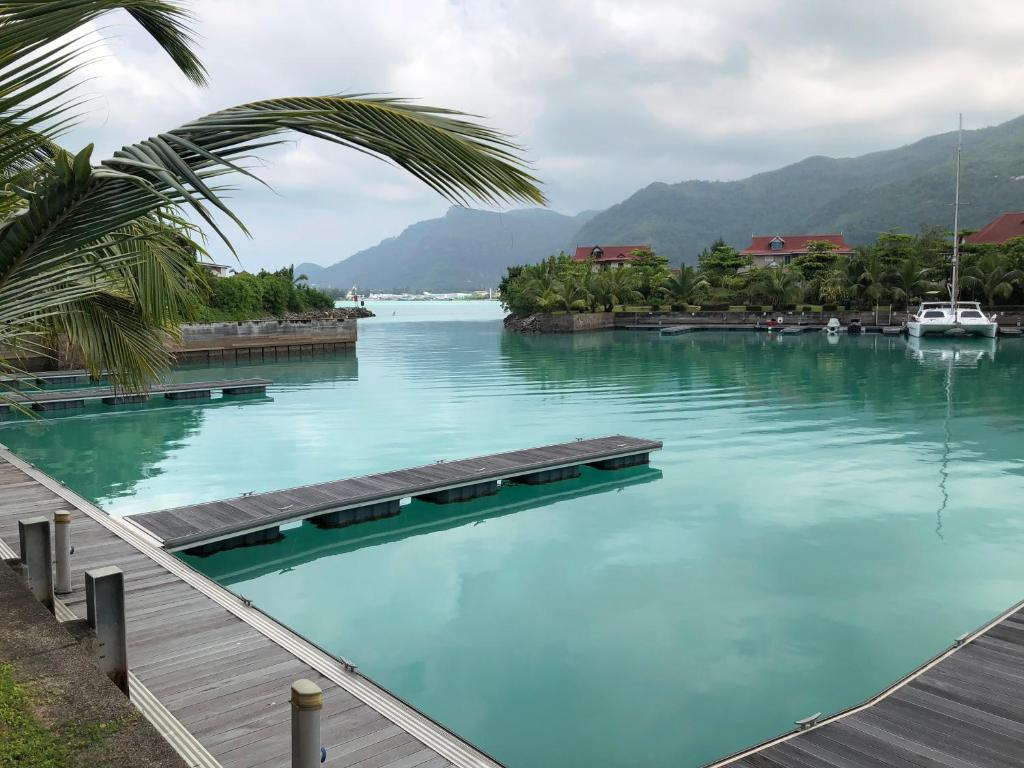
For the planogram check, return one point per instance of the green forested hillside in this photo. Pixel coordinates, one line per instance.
(909, 188)
(464, 250)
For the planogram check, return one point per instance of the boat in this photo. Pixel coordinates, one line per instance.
(946, 317)
(934, 318)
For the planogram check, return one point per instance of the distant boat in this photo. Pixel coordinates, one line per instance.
(935, 318)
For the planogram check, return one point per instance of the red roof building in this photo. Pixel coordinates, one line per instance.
(779, 250)
(1004, 227)
(608, 255)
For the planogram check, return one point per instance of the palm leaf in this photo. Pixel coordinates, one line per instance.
(81, 204)
(29, 25)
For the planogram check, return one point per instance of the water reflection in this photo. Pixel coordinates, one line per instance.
(306, 543)
(104, 452)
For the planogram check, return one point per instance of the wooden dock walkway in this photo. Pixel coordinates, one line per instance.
(254, 518)
(51, 378)
(212, 672)
(64, 399)
(963, 709)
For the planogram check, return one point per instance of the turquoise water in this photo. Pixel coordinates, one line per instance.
(823, 518)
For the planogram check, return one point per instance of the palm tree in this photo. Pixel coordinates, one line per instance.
(834, 286)
(97, 252)
(614, 287)
(910, 280)
(544, 292)
(992, 277)
(777, 285)
(680, 288)
(875, 278)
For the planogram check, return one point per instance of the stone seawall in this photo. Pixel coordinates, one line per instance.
(867, 317)
(564, 323)
(256, 330)
(263, 339)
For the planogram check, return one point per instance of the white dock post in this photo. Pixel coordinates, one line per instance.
(104, 599)
(34, 535)
(62, 551)
(307, 701)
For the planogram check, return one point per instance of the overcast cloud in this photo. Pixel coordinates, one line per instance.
(607, 96)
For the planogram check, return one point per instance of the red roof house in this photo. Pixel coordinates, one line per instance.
(1004, 227)
(780, 249)
(608, 255)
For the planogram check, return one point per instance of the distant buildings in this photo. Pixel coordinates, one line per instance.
(1004, 227)
(606, 256)
(779, 250)
(216, 270)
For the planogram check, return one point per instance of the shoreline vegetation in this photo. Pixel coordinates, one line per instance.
(100, 256)
(897, 270)
(279, 295)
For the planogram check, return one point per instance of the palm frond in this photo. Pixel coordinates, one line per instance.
(81, 204)
(28, 25)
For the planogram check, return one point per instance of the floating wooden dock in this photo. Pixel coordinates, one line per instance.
(256, 518)
(677, 329)
(64, 399)
(211, 671)
(52, 378)
(963, 709)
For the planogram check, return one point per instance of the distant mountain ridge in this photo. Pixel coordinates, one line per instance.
(908, 188)
(464, 250)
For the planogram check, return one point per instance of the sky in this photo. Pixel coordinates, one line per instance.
(605, 96)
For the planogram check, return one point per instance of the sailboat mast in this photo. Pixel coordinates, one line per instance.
(955, 287)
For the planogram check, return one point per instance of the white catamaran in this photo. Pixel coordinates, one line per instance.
(939, 317)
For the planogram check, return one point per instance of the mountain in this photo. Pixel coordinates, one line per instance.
(909, 188)
(462, 251)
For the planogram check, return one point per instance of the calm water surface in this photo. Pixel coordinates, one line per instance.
(823, 518)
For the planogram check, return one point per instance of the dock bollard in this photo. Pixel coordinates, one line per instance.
(62, 551)
(104, 599)
(307, 701)
(34, 536)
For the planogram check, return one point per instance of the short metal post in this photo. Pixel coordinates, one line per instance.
(62, 551)
(307, 701)
(34, 535)
(104, 599)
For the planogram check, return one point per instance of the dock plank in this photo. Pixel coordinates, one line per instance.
(223, 678)
(964, 709)
(191, 525)
(98, 393)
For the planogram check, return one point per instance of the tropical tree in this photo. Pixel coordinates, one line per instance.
(614, 287)
(992, 277)
(104, 254)
(649, 270)
(721, 262)
(834, 286)
(875, 278)
(776, 285)
(910, 279)
(681, 287)
(546, 293)
(819, 259)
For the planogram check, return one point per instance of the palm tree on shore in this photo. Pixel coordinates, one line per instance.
(875, 279)
(681, 287)
(97, 252)
(614, 287)
(910, 280)
(992, 277)
(777, 285)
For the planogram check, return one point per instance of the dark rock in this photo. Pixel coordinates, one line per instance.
(338, 313)
(528, 324)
